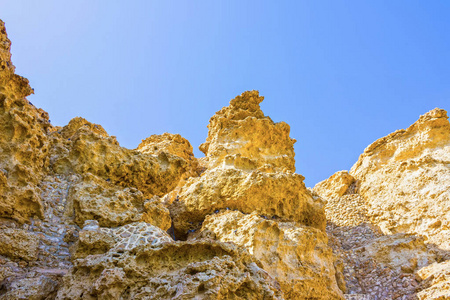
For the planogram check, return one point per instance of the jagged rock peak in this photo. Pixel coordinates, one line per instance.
(6, 65)
(10, 84)
(242, 135)
(434, 125)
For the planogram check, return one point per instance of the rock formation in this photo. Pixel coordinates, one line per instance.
(83, 218)
(391, 213)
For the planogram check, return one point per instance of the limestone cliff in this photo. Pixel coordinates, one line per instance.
(391, 213)
(83, 218)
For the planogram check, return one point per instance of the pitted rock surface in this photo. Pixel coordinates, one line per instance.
(253, 230)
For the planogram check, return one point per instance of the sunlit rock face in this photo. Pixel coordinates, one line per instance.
(405, 179)
(298, 256)
(24, 145)
(249, 195)
(83, 218)
(391, 213)
(140, 261)
(242, 129)
(83, 147)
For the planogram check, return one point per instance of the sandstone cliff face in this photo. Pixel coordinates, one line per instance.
(242, 128)
(82, 147)
(405, 179)
(395, 207)
(24, 144)
(83, 217)
(141, 261)
(298, 256)
(249, 179)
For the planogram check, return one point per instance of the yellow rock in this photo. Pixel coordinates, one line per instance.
(405, 179)
(281, 195)
(171, 143)
(250, 161)
(83, 147)
(24, 145)
(335, 186)
(297, 256)
(436, 281)
(18, 243)
(399, 186)
(242, 128)
(94, 198)
(170, 270)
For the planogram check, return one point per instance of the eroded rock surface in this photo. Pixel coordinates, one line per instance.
(405, 179)
(297, 256)
(280, 194)
(83, 147)
(242, 128)
(436, 281)
(388, 218)
(83, 218)
(170, 270)
(24, 144)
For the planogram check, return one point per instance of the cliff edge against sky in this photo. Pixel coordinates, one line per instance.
(83, 218)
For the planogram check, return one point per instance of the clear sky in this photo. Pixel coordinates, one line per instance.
(341, 73)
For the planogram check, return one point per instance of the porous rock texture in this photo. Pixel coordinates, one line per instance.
(405, 179)
(242, 128)
(298, 256)
(253, 174)
(254, 177)
(159, 268)
(83, 218)
(388, 218)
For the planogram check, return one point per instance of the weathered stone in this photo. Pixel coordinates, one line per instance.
(281, 195)
(95, 198)
(99, 240)
(401, 252)
(37, 288)
(18, 243)
(179, 270)
(400, 184)
(24, 144)
(254, 230)
(174, 144)
(436, 281)
(156, 213)
(335, 186)
(242, 128)
(405, 179)
(83, 147)
(297, 256)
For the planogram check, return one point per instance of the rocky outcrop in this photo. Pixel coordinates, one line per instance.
(278, 195)
(405, 179)
(96, 199)
(249, 195)
(18, 243)
(86, 218)
(24, 145)
(174, 144)
(83, 218)
(242, 128)
(297, 256)
(170, 270)
(83, 147)
(36, 288)
(387, 218)
(436, 281)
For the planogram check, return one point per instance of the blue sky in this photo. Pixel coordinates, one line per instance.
(341, 73)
